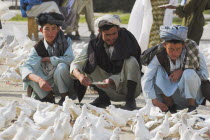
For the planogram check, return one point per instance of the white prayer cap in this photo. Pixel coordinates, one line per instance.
(107, 19)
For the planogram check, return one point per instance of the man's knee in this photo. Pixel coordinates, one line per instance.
(131, 63)
(62, 68)
(190, 75)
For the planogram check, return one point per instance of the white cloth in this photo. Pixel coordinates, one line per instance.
(183, 2)
(140, 22)
(168, 17)
(50, 6)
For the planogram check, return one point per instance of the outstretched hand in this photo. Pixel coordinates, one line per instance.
(84, 80)
(159, 104)
(44, 85)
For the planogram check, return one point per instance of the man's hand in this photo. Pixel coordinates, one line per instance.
(84, 80)
(162, 106)
(44, 85)
(175, 76)
(46, 59)
(108, 81)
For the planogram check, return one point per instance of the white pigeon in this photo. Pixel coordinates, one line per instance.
(13, 43)
(153, 123)
(58, 130)
(67, 126)
(95, 133)
(159, 136)
(186, 135)
(174, 130)
(163, 128)
(48, 134)
(8, 15)
(141, 132)
(78, 126)
(121, 112)
(146, 109)
(100, 125)
(116, 134)
(2, 121)
(27, 110)
(120, 116)
(31, 138)
(48, 119)
(22, 132)
(96, 110)
(82, 115)
(70, 107)
(197, 136)
(80, 137)
(11, 130)
(11, 75)
(34, 103)
(3, 41)
(10, 113)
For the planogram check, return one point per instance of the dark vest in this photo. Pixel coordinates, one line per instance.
(40, 49)
(125, 46)
(164, 60)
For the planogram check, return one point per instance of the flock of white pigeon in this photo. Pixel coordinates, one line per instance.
(31, 119)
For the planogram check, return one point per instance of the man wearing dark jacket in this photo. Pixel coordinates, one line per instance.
(113, 59)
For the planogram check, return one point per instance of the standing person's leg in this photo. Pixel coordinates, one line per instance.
(89, 15)
(0, 25)
(73, 20)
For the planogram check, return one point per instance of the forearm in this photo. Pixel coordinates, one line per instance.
(77, 73)
(34, 77)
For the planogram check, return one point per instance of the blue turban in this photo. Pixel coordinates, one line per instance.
(176, 32)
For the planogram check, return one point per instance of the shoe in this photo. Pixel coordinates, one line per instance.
(73, 37)
(100, 102)
(73, 96)
(29, 91)
(172, 108)
(60, 102)
(49, 99)
(92, 36)
(130, 105)
(191, 108)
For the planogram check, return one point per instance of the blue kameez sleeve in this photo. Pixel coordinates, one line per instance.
(148, 79)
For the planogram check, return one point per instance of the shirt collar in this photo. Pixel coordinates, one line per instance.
(45, 44)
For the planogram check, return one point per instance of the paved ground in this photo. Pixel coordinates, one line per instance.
(14, 92)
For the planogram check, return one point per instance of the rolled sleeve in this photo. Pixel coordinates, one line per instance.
(79, 61)
(31, 65)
